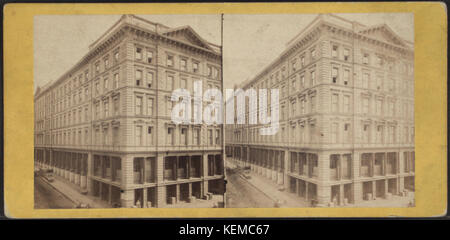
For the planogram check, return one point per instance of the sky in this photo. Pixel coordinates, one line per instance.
(60, 41)
(251, 42)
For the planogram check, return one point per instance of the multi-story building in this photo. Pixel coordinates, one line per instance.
(106, 126)
(346, 115)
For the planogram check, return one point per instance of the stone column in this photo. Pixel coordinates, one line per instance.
(357, 192)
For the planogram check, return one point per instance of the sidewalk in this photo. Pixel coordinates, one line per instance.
(199, 203)
(73, 192)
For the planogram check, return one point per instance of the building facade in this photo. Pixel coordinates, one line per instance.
(105, 125)
(346, 115)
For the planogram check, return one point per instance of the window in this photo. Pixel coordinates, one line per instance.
(391, 134)
(294, 81)
(183, 64)
(116, 80)
(334, 74)
(334, 133)
(365, 58)
(313, 107)
(391, 108)
(302, 106)
(209, 73)
(197, 136)
(138, 77)
(97, 69)
(169, 62)
(150, 136)
(380, 61)
(116, 106)
(313, 53)
(302, 81)
(379, 82)
(150, 107)
(195, 67)
(115, 136)
(138, 53)
(138, 106)
(366, 133)
(335, 103)
(210, 136)
(86, 114)
(105, 84)
(149, 79)
(217, 136)
(106, 108)
(149, 56)
(379, 107)
(293, 108)
(97, 111)
(302, 60)
(365, 105)
(183, 83)
(334, 51)
(105, 136)
(293, 65)
(138, 135)
(106, 63)
(116, 57)
(379, 134)
(346, 76)
(346, 54)
(183, 136)
(366, 79)
(170, 136)
(169, 82)
(313, 78)
(347, 133)
(215, 73)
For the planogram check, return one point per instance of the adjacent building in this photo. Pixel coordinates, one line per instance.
(105, 125)
(346, 115)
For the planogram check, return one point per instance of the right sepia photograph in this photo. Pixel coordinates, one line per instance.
(321, 112)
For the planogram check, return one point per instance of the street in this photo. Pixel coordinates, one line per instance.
(46, 197)
(241, 194)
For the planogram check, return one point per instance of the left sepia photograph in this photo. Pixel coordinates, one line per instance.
(104, 99)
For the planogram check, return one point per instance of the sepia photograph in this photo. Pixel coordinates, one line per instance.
(211, 111)
(345, 103)
(103, 132)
